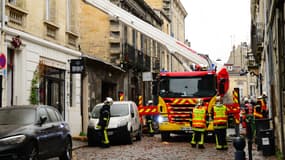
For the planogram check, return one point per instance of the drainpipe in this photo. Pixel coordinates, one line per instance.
(2, 14)
(281, 37)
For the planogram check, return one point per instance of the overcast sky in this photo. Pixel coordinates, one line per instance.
(214, 26)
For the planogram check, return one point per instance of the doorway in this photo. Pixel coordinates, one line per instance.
(52, 88)
(108, 90)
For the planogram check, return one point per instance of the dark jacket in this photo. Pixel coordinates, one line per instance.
(104, 116)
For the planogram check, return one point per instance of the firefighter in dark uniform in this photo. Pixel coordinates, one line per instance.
(261, 100)
(149, 120)
(257, 112)
(199, 122)
(220, 118)
(104, 121)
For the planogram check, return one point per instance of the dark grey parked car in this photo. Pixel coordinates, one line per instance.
(33, 132)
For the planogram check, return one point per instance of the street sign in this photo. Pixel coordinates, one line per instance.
(2, 61)
(147, 76)
(76, 66)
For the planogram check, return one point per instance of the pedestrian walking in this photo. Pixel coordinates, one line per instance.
(103, 123)
(220, 118)
(199, 121)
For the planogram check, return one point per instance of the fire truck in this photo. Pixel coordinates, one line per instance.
(178, 93)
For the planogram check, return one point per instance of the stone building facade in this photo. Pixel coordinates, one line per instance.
(240, 77)
(176, 13)
(38, 44)
(267, 44)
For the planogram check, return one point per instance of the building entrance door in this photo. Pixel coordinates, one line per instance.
(52, 88)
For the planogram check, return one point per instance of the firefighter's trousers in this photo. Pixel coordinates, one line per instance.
(221, 138)
(198, 138)
(104, 137)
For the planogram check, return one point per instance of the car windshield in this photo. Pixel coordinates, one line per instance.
(17, 116)
(117, 110)
(188, 86)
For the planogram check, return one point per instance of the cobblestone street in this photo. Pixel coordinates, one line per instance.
(150, 148)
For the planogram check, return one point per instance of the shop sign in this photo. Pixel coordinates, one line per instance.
(76, 66)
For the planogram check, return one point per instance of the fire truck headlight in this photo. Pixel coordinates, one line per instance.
(161, 119)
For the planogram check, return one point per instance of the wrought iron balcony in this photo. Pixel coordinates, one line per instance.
(129, 55)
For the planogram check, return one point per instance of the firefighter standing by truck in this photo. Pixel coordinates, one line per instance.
(104, 121)
(220, 118)
(199, 122)
(149, 120)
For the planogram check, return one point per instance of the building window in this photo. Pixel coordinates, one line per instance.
(17, 3)
(252, 90)
(16, 13)
(50, 10)
(230, 68)
(71, 16)
(12, 2)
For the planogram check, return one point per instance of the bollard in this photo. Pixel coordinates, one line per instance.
(239, 144)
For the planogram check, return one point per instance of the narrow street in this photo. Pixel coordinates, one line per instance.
(149, 148)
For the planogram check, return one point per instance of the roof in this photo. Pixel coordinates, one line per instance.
(101, 61)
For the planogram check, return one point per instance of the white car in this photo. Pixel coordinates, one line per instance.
(124, 123)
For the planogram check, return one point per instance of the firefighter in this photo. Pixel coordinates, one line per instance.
(104, 121)
(199, 122)
(149, 121)
(250, 125)
(257, 112)
(220, 118)
(261, 100)
(243, 112)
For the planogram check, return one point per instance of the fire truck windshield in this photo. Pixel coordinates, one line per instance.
(199, 86)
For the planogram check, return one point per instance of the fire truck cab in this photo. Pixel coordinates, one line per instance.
(178, 93)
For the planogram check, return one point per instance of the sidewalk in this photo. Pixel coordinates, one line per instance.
(78, 142)
(256, 154)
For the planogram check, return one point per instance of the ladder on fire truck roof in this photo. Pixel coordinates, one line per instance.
(174, 46)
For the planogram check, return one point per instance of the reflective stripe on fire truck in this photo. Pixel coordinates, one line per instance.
(183, 101)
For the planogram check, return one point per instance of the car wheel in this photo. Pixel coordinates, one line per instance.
(34, 153)
(129, 137)
(67, 153)
(139, 134)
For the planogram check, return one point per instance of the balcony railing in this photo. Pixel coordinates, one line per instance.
(147, 63)
(129, 55)
(17, 16)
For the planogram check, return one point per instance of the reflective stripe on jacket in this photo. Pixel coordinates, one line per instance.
(257, 115)
(199, 117)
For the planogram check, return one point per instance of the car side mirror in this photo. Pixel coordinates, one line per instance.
(43, 119)
(133, 114)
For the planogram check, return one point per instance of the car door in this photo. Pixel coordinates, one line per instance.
(137, 117)
(135, 120)
(55, 131)
(44, 132)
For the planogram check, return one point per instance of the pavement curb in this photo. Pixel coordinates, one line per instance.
(80, 138)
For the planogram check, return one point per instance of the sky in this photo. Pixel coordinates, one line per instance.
(214, 26)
